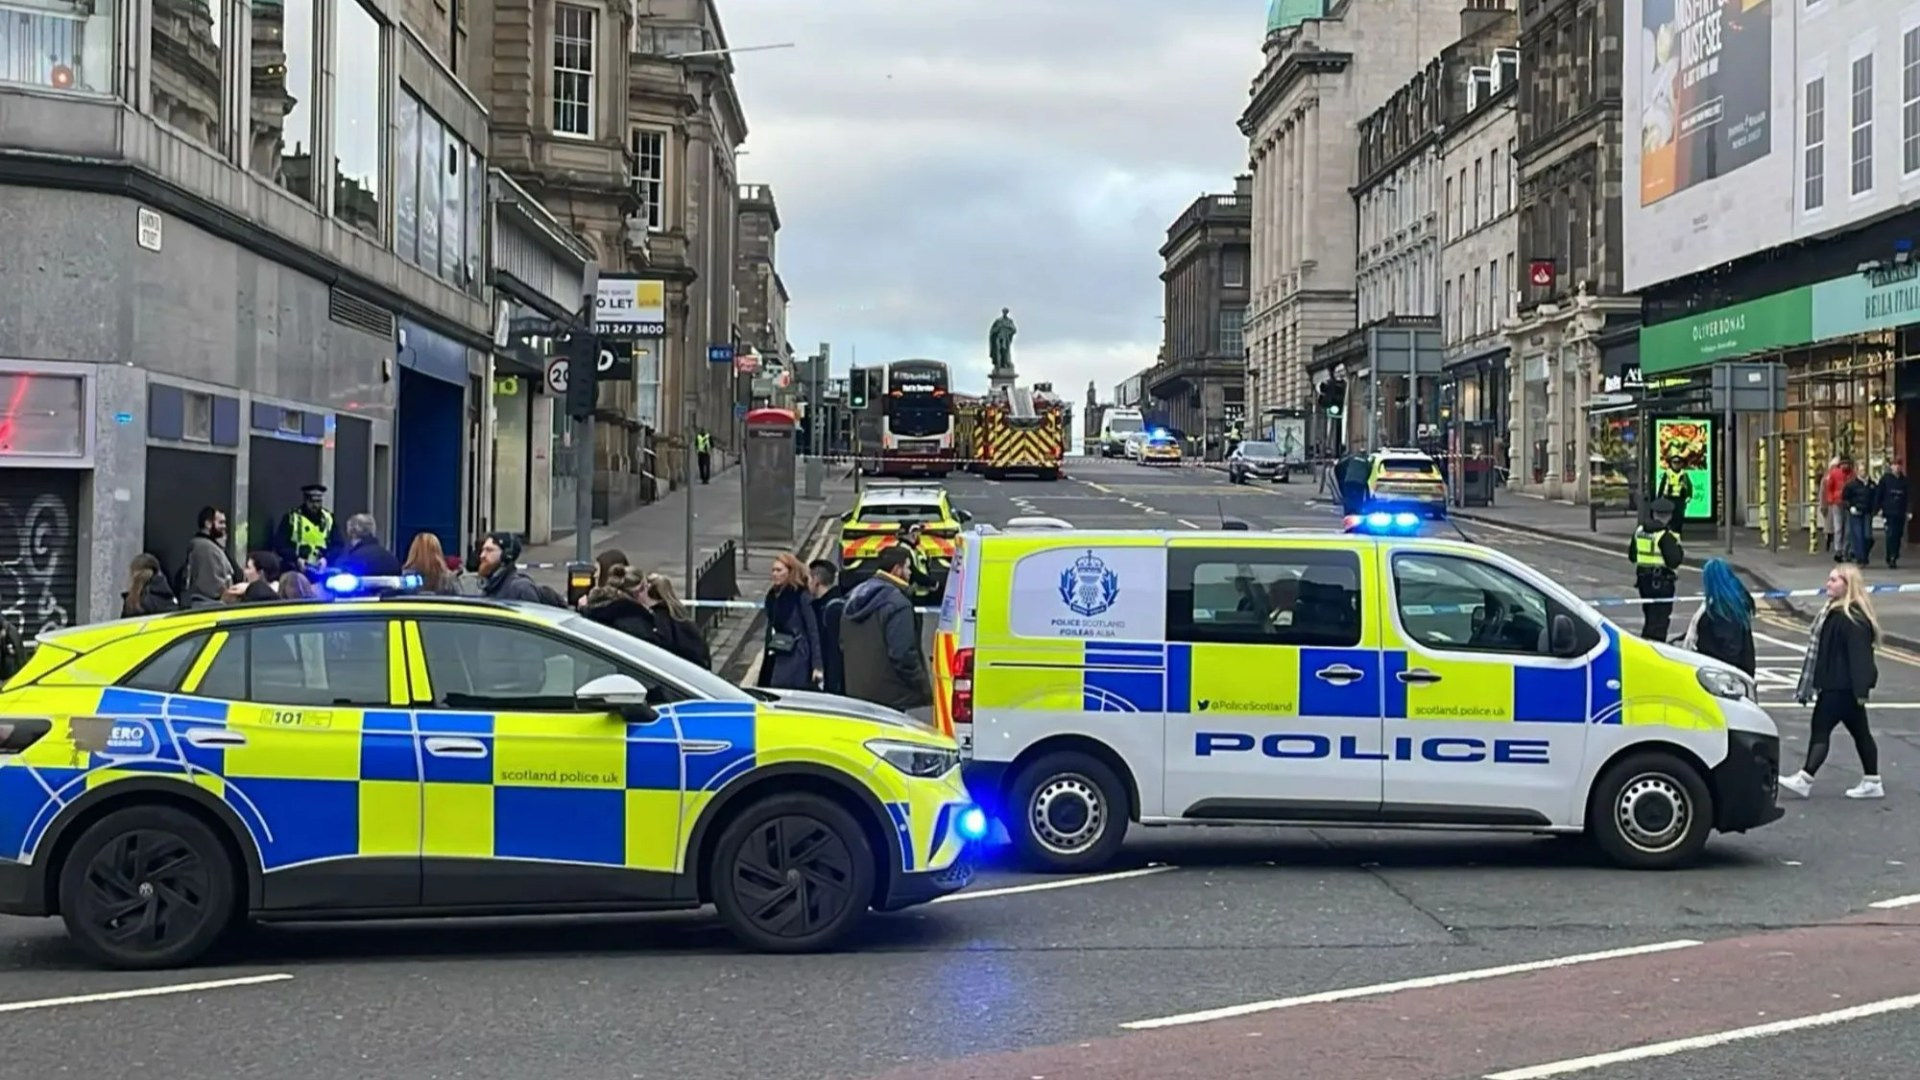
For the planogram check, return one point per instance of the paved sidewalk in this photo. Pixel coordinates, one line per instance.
(1791, 568)
(654, 539)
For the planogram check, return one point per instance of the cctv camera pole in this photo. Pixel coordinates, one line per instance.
(583, 362)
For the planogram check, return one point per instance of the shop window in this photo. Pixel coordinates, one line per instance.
(59, 45)
(439, 218)
(42, 415)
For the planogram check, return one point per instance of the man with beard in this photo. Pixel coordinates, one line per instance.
(207, 575)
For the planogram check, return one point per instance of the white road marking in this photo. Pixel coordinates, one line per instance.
(1799, 649)
(1896, 902)
(1424, 983)
(1187, 523)
(143, 992)
(1705, 1042)
(1047, 886)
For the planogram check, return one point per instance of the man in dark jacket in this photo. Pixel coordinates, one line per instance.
(500, 575)
(879, 644)
(1857, 498)
(208, 575)
(829, 602)
(1891, 498)
(366, 556)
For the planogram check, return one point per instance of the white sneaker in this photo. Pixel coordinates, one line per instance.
(1868, 788)
(1799, 783)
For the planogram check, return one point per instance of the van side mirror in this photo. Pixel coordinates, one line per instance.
(846, 515)
(963, 516)
(1562, 638)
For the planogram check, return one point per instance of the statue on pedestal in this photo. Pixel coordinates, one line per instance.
(1000, 343)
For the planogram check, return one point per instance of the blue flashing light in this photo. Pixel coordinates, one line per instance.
(972, 823)
(1379, 519)
(1384, 522)
(342, 584)
(1405, 520)
(1159, 433)
(415, 581)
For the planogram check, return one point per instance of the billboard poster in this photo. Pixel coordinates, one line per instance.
(1686, 443)
(1708, 102)
(1706, 91)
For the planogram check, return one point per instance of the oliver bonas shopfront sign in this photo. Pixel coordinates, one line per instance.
(1855, 304)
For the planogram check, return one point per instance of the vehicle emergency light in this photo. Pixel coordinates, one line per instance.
(1380, 521)
(971, 824)
(961, 700)
(346, 584)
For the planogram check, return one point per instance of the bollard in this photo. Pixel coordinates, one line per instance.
(580, 577)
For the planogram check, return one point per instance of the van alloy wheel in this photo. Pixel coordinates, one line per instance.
(1067, 814)
(1654, 812)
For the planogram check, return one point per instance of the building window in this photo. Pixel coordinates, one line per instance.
(650, 175)
(1497, 183)
(1477, 309)
(1513, 174)
(1233, 269)
(1513, 287)
(280, 63)
(1479, 193)
(1816, 145)
(1910, 101)
(65, 45)
(1453, 212)
(358, 122)
(45, 416)
(573, 33)
(1860, 136)
(1451, 330)
(185, 39)
(440, 197)
(646, 383)
(1496, 300)
(1232, 322)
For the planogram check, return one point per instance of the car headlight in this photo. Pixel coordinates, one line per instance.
(916, 759)
(1725, 684)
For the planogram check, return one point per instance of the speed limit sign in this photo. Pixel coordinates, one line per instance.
(557, 374)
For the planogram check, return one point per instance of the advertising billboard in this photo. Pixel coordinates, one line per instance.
(1708, 106)
(1686, 444)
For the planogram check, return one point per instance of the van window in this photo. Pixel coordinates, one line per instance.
(1455, 604)
(1243, 596)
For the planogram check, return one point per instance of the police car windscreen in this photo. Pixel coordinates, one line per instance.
(1450, 602)
(901, 512)
(1417, 466)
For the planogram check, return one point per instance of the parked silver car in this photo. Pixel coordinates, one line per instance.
(1256, 461)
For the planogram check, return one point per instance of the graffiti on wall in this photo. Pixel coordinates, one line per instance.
(36, 549)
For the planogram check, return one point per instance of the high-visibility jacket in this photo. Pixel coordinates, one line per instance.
(310, 537)
(1673, 484)
(703, 443)
(1647, 557)
(921, 582)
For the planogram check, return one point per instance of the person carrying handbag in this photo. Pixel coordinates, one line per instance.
(793, 658)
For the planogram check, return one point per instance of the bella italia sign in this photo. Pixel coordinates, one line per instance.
(1855, 304)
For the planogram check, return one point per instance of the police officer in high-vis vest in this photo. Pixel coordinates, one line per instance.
(703, 453)
(1676, 489)
(920, 578)
(307, 538)
(1657, 555)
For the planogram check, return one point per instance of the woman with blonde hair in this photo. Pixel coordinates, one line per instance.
(677, 627)
(427, 558)
(1837, 676)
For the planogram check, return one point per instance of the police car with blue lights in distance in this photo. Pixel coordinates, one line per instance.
(379, 754)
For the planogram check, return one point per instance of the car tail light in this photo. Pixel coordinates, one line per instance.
(962, 698)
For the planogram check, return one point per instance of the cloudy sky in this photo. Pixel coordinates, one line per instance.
(936, 160)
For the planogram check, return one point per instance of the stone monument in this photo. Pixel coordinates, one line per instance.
(1000, 351)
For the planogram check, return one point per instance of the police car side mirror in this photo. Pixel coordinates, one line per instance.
(963, 516)
(617, 693)
(1562, 638)
(847, 516)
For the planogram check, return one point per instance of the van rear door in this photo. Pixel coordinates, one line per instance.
(953, 636)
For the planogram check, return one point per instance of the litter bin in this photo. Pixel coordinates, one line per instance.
(767, 478)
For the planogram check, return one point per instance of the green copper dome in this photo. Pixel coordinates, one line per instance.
(1282, 14)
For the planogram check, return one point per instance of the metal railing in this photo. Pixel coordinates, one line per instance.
(716, 580)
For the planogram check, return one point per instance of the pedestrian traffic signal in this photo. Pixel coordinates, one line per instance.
(583, 374)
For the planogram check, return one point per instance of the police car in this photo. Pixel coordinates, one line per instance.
(1327, 679)
(873, 525)
(164, 778)
(1405, 480)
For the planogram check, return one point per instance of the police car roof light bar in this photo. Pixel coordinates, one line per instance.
(345, 584)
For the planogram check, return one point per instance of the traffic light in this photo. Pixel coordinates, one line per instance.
(857, 389)
(583, 374)
(1333, 395)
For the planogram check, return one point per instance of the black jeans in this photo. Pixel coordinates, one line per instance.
(1837, 708)
(1656, 617)
(1896, 532)
(705, 461)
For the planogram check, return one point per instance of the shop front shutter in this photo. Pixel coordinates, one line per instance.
(40, 549)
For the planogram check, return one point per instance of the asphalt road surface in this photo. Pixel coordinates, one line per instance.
(1221, 954)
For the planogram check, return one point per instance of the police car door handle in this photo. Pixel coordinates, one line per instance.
(207, 738)
(1417, 675)
(1339, 674)
(468, 748)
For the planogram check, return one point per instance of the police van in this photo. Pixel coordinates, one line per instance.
(1097, 680)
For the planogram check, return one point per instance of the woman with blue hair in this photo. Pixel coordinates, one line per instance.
(1723, 627)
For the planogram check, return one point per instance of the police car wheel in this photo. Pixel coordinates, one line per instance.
(1074, 813)
(792, 873)
(1651, 811)
(147, 887)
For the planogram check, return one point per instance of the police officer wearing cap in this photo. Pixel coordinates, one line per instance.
(308, 539)
(920, 576)
(1656, 554)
